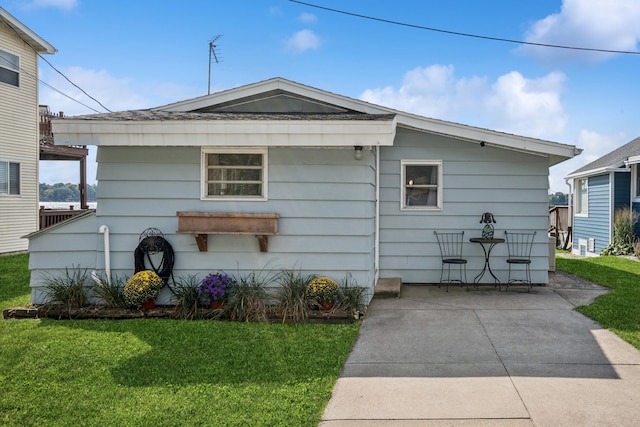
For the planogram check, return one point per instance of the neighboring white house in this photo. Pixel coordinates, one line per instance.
(345, 187)
(19, 147)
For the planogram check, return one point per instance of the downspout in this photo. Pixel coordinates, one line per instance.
(570, 213)
(376, 263)
(107, 257)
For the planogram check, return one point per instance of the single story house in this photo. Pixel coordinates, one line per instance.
(600, 188)
(328, 184)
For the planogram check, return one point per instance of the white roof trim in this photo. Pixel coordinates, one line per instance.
(239, 133)
(598, 171)
(557, 152)
(26, 34)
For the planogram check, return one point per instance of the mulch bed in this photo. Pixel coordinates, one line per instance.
(159, 312)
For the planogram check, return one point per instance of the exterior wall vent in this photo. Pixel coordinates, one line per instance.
(582, 247)
(592, 245)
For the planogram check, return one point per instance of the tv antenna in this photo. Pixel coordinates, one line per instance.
(212, 56)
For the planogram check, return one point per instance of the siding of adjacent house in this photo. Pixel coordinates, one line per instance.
(621, 190)
(19, 143)
(324, 197)
(511, 185)
(598, 222)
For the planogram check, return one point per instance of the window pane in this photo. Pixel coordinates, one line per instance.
(582, 199)
(421, 175)
(9, 68)
(14, 178)
(422, 197)
(235, 159)
(9, 77)
(4, 178)
(235, 190)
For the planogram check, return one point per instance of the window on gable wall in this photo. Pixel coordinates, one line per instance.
(234, 174)
(422, 184)
(9, 178)
(9, 68)
(582, 194)
(635, 168)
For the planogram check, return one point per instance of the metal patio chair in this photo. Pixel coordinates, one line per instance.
(451, 255)
(519, 247)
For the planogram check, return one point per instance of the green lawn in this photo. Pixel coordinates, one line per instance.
(162, 372)
(619, 310)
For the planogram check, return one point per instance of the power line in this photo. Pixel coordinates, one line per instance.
(66, 78)
(51, 65)
(456, 33)
(25, 72)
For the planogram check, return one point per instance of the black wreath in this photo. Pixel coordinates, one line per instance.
(152, 241)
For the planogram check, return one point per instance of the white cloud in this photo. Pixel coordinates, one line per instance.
(302, 41)
(307, 18)
(514, 104)
(529, 107)
(62, 4)
(594, 146)
(611, 25)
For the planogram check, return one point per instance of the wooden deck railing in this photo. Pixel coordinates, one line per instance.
(49, 217)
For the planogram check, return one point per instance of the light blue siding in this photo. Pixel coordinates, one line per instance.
(324, 197)
(511, 185)
(596, 225)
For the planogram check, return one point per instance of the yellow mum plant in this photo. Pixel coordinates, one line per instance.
(322, 289)
(142, 287)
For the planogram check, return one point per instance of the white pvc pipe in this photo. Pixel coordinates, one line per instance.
(107, 256)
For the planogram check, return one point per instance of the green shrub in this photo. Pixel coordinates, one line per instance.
(69, 289)
(624, 222)
(186, 297)
(352, 297)
(247, 300)
(291, 302)
(110, 292)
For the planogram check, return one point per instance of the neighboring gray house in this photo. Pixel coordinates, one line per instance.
(600, 188)
(339, 186)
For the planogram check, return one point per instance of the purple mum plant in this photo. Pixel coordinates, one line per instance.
(215, 287)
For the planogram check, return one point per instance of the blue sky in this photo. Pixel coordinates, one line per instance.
(139, 54)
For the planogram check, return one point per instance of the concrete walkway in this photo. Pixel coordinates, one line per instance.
(487, 358)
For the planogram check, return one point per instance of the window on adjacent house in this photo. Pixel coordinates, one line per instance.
(422, 184)
(9, 68)
(234, 174)
(582, 200)
(9, 178)
(636, 167)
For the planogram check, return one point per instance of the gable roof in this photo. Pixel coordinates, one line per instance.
(306, 102)
(615, 159)
(36, 42)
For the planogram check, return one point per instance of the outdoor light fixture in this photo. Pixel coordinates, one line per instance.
(357, 154)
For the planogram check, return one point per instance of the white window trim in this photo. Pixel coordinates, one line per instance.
(18, 71)
(635, 196)
(584, 213)
(403, 187)
(8, 194)
(203, 174)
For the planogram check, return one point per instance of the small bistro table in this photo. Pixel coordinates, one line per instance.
(487, 247)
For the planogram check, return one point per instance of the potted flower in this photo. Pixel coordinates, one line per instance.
(142, 289)
(214, 289)
(322, 291)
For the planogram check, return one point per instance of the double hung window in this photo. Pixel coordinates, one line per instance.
(582, 196)
(9, 68)
(421, 184)
(9, 178)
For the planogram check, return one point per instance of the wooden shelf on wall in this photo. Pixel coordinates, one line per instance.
(202, 224)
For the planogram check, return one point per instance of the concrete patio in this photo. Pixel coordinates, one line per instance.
(487, 358)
